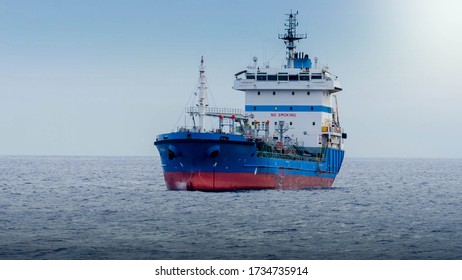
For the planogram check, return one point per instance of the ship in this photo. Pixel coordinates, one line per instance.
(288, 136)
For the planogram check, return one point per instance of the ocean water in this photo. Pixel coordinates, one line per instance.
(119, 208)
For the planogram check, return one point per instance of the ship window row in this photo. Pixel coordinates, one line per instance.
(274, 93)
(276, 123)
(284, 77)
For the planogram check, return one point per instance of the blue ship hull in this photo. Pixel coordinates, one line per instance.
(227, 162)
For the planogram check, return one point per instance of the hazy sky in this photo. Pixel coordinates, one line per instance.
(89, 77)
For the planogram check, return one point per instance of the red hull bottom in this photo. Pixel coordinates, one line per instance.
(209, 181)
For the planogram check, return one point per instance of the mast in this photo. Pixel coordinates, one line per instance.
(291, 36)
(202, 95)
(281, 128)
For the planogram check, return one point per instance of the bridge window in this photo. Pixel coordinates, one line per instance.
(261, 77)
(250, 76)
(304, 77)
(272, 77)
(293, 77)
(316, 76)
(283, 78)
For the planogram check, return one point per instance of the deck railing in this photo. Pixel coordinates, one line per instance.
(214, 110)
(264, 154)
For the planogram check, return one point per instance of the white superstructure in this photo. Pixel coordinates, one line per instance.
(297, 102)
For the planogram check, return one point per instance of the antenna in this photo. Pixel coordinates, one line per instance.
(291, 36)
(202, 95)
